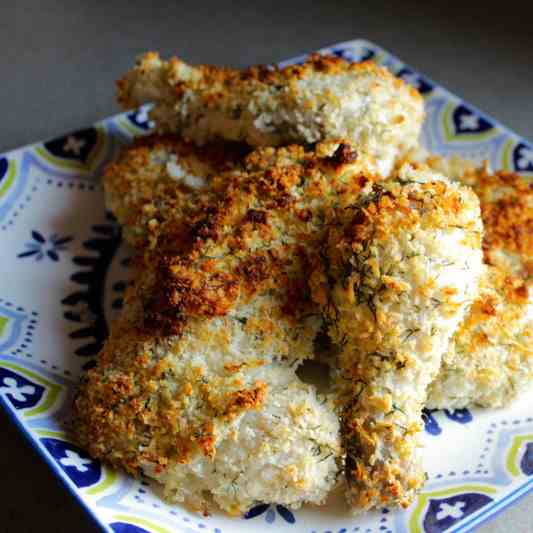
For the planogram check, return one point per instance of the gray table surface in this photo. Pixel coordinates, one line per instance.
(60, 59)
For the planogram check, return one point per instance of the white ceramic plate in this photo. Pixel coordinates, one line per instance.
(63, 269)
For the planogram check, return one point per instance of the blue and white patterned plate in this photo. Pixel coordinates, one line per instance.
(64, 268)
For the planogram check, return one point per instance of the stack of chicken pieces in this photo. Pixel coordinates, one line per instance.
(273, 207)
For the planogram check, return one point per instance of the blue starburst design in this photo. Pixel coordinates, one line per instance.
(85, 304)
(270, 513)
(40, 247)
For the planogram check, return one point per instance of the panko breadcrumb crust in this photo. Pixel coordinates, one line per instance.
(158, 177)
(144, 194)
(244, 257)
(402, 265)
(491, 357)
(506, 200)
(464, 380)
(215, 322)
(326, 98)
(490, 360)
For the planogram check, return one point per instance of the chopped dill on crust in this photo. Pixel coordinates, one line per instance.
(391, 253)
(196, 385)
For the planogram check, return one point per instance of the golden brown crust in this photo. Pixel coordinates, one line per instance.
(256, 76)
(249, 244)
(143, 195)
(255, 206)
(506, 201)
(324, 99)
(376, 283)
(491, 358)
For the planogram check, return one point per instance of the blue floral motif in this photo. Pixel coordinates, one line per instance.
(41, 247)
(526, 463)
(76, 146)
(350, 55)
(443, 513)
(523, 158)
(414, 79)
(270, 513)
(461, 416)
(140, 118)
(20, 391)
(77, 465)
(467, 121)
(4, 166)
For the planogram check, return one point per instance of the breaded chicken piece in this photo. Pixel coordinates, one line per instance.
(490, 360)
(161, 177)
(453, 167)
(506, 201)
(401, 268)
(196, 385)
(211, 411)
(326, 98)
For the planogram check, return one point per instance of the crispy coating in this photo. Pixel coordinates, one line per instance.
(506, 201)
(454, 167)
(209, 411)
(196, 385)
(490, 360)
(324, 99)
(162, 177)
(401, 267)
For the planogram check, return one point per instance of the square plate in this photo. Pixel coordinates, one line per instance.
(64, 269)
